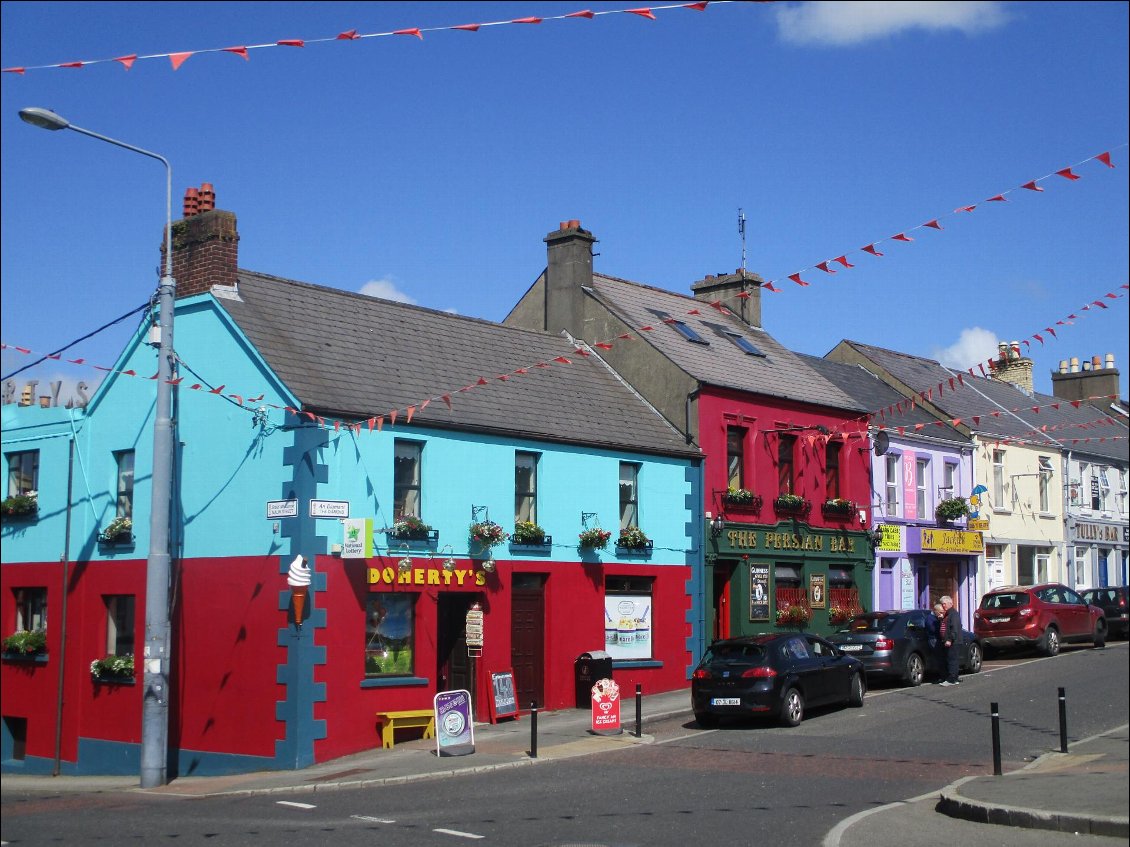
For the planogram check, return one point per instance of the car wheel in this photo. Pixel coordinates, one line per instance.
(1100, 634)
(915, 670)
(855, 696)
(1050, 647)
(973, 663)
(706, 720)
(792, 708)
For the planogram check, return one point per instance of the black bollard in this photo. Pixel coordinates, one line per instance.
(1063, 720)
(639, 710)
(996, 738)
(534, 729)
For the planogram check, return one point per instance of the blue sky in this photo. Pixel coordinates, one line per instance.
(430, 170)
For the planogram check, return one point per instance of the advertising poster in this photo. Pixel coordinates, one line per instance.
(818, 591)
(504, 701)
(606, 708)
(357, 538)
(627, 626)
(759, 592)
(455, 731)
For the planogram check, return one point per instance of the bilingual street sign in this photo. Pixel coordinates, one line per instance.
(282, 509)
(977, 524)
(329, 508)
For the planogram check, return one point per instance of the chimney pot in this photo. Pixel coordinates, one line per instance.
(207, 197)
(1096, 363)
(1109, 361)
(1063, 366)
(574, 223)
(1075, 364)
(191, 202)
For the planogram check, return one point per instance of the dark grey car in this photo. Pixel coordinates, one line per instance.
(896, 645)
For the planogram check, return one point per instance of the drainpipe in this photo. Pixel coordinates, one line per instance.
(65, 559)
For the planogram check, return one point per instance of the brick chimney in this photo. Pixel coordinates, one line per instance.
(1011, 367)
(205, 244)
(1093, 379)
(740, 292)
(569, 268)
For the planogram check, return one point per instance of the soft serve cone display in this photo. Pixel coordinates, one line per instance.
(298, 578)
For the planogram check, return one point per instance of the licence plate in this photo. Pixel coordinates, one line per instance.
(726, 701)
(998, 620)
(851, 648)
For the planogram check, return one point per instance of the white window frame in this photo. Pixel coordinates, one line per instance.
(998, 479)
(893, 484)
(1047, 471)
(921, 484)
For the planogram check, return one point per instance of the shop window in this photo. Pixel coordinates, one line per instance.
(949, 487)
(628, 613)
(31, 609)
(123, 459)
(1046, 473)
(787, 588)
(23, 472)
(786, 476)
(406, 494)
(119, 624)
(842, 591)
(892, 483)
(735, 457)
(525, 487)
(998, 479)
(832, 453)
(390, 634)
(629, 495)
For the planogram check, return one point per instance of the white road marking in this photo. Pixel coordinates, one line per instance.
(457, 832)
(368, 819)
(296, 805)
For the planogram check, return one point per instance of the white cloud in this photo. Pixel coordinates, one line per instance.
(386, 289)
(972, 346)
(856, 21)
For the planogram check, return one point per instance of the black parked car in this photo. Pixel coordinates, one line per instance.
(897, 645)
(1113, 603)
(777, 675)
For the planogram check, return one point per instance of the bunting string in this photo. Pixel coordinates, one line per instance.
(177, 59)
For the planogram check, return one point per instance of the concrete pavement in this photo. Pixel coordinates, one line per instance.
(1082, 791)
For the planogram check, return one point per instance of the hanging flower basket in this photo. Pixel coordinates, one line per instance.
(487, 534)
(594, 538)
(951, 509)
(798, 616)
(20, 505)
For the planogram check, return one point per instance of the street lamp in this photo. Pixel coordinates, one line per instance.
(155, 704)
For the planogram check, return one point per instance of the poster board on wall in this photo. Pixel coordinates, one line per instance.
(759, 591)
(503, 696)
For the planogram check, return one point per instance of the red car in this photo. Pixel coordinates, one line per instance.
(1040, 616)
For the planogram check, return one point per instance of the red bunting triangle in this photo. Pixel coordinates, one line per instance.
(1105, 159)
(796, 278)
(291, 42)
(824, 267)
(239, 51)
(70, 65)
(178, 59)
(1031, 186)
(468, 27)
(127, 61)
(697, 7)
(348, 35)
(934, 224)
(20, 71)
(966, 208)
(413, 31)
(411, 411)
(446, 399)
(769, 287)
(870, 248)
(482, 381)
(526, 21)
(643, 13)
(562, 360)
(999, 198)
(584, 13)
(843, 261)
(392, 417)
(1067, 174)
(902, 236)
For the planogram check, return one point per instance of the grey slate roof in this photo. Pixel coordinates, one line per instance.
(873, 394)
(781, 373)
(998, 409)
(347, 355)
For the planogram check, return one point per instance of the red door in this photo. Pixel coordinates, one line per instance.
(527, 640)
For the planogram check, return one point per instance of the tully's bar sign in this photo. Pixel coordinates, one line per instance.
(1098, 532)
(764, 539)
(951, 541)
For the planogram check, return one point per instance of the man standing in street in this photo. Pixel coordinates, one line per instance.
(949, 634)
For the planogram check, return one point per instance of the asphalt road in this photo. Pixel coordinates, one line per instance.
(742, 784)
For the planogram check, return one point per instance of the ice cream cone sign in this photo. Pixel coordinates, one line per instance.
(298, 578)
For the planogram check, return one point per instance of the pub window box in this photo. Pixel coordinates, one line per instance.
(795, 615)
(26, 645)
(113, 669)
(742, 500)
(633, 542)
(791, 504)
(118, 531)
(20, 507)
(411, 528)
(838, 508)
(531, 536)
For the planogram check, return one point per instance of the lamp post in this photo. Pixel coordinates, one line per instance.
(155, 703)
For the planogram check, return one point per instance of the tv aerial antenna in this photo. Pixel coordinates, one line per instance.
(741, 233)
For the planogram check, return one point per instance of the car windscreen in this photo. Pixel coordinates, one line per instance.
(871, 623)
(1005, 600)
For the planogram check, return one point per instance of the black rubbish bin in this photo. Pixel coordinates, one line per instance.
(589, 667)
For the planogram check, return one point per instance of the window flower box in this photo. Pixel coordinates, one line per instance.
(840, 614)
(794, 615)
(19, 506)
(118, 531)
(25, 644)
(531, 536)
(741, 500)
(633, 541)
(791, 504)
(838, 508)
(411, 528)
(113, 669)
